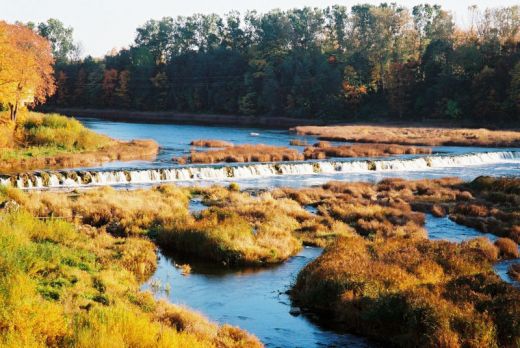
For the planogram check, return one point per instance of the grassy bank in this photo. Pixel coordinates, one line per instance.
(69, 284)
(38, 141)
(379, 276)
(414, 135)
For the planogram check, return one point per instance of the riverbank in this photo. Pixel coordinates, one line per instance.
(116, 151)
(271, 122)
(168, 117)
(39, 141)
(66, 283)
(381, 225)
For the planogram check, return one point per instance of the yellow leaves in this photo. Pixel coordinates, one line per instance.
(26, 71)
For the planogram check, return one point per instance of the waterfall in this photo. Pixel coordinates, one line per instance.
(62, 179)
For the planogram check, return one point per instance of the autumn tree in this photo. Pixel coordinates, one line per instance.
(26, 67)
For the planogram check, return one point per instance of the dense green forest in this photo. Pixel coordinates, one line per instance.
(365, 62)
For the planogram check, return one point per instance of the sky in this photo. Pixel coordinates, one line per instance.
(101, 25)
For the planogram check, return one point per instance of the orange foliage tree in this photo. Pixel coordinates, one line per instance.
(26, 67)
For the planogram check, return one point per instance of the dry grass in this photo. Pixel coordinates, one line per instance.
(245, 153)
(414, 136)
(508, 248)
(40, 141)
(487, 204)
(298, 142)
(211, 143)
(514, 271)
(65, 284)
(237, 229)
(414, 292)
(363, 150)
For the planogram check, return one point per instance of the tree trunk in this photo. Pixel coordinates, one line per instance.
(13, 109)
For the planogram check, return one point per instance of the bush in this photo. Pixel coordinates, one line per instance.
(508, 248)
(412, 293)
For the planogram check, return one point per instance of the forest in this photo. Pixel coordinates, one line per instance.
(350, 64)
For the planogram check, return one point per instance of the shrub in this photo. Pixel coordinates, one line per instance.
(412, 292)
(508, 248)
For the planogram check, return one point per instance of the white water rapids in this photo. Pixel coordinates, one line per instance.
(81, 178)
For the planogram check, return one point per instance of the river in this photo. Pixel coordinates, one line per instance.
(466, 163)
(252, 298)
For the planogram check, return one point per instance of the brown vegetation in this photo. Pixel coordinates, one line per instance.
(72, 284)
(246, 153)
(323, 150)
(487, 204)
(237, 229)
(414, 136)
(514, 271)
(210, 143)
(414, 292)
(37, 141)
(116, 151)
(298, 142)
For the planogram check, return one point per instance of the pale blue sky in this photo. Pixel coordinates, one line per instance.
(101, 25)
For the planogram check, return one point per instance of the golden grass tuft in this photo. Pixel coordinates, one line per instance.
(211, 143)
(246, 153)
(323, 150)
(508, 248)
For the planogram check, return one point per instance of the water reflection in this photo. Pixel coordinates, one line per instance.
(255, 299)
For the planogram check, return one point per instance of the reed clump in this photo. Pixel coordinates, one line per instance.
(211, 143)
(413, 292)
(245, 153)
(324, 150)
(428, 136)
(238, 228)
(298, 142)
(514, 271)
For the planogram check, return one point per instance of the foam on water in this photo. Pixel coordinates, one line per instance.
(65, 179)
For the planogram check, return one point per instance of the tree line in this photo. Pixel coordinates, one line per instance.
(344, 63)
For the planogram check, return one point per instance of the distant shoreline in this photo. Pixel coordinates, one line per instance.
(170, 117)
(273, 122)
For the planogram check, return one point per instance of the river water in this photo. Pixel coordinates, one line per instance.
(466, 163)
(256, 299)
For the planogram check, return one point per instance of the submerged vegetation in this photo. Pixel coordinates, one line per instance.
(37, 141)
(71, 284)
(414, 135)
